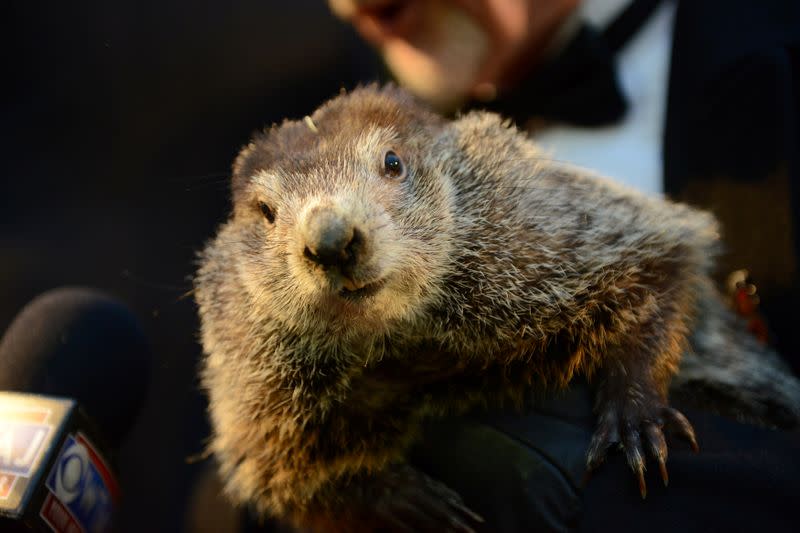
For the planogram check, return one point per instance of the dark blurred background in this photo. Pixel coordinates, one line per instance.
(120, 121)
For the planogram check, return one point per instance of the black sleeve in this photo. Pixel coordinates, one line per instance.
(525, 473)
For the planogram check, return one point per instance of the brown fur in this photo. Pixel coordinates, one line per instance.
(503, 271)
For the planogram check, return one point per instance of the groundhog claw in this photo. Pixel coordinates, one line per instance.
(635, 432)
(677, 423)
(606, 435)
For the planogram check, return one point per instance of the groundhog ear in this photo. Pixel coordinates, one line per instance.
(241, 160)
(259, 154)
(271, 149)
(243, 168)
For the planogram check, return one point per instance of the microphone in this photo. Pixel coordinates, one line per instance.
(74, 368)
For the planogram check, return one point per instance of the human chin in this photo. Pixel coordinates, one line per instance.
(440, 61)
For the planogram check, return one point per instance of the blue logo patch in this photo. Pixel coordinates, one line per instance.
(82, 483)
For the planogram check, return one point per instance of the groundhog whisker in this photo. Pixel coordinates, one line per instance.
(127, 274)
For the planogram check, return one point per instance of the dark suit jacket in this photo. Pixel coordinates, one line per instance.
(732, 140)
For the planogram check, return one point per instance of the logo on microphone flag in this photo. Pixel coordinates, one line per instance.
(83, 490)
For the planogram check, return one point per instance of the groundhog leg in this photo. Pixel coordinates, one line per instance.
(633, 412)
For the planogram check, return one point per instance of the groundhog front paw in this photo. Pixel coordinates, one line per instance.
(405, 499)
(635, 426)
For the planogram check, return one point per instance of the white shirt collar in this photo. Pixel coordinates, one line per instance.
(601, 12)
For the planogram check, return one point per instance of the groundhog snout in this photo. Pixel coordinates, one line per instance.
(331, 239)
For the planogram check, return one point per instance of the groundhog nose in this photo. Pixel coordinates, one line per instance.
(330, 239)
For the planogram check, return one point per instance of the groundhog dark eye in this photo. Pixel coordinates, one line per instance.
(267, 212)
(393, 166)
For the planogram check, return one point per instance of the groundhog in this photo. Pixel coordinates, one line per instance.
(383, 265)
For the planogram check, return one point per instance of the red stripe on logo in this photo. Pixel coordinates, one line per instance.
(102, 467)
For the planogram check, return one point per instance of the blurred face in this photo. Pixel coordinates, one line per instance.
(447, 51)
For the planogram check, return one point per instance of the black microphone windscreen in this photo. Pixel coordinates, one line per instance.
(80, 344)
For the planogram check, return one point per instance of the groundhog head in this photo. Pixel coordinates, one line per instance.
(345, 215)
